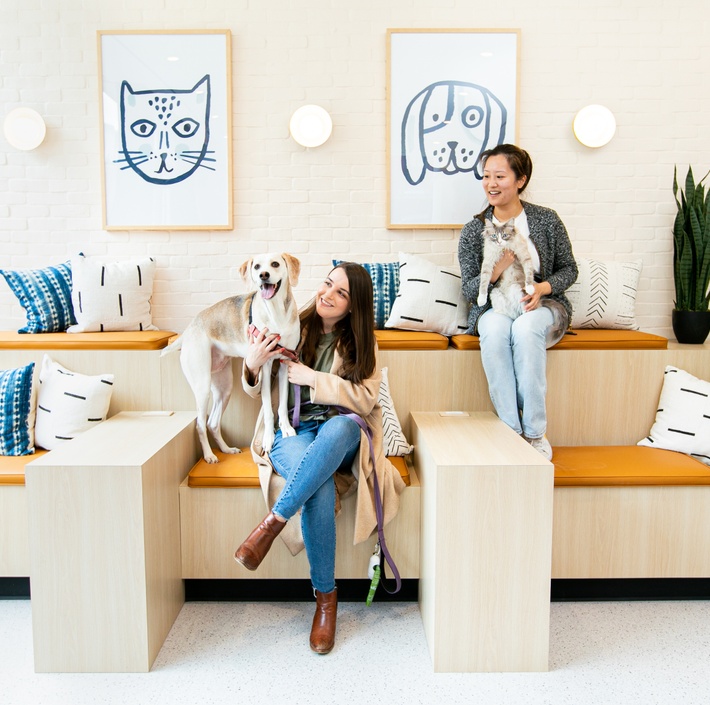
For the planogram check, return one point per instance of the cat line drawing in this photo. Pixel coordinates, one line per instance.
(516, 279)
(165, 132)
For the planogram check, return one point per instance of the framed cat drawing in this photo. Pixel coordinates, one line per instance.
(166, 129)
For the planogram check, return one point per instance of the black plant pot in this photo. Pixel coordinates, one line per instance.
(691, 326)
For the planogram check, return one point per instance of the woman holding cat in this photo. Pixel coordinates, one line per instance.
(309, 472)
(513, 351)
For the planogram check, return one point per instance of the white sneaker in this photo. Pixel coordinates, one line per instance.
(541, 445)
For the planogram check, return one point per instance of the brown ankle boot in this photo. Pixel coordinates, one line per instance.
(257, 544)
(323, 629)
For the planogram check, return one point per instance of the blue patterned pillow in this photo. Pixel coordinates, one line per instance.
(385, 286)
(45, 294)
(17, 411)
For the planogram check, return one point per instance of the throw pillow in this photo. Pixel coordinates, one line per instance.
(112, 295)
(17, 411)
(45, 294)
(385, 285)
(683, 417)
(429, 298)
(393, 440)
(604, 295)
(69, 403)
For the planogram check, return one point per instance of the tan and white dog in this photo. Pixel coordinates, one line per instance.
(221, 332)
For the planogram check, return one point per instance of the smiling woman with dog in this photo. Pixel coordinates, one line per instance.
(513, 350)
(329, 453)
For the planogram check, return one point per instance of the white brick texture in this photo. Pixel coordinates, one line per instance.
(644, 59)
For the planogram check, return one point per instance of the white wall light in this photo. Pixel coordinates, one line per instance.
(594, 126)
(310, 126)
(24, 128)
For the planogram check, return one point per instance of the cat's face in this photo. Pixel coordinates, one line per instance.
(498, 233)
(165, 133)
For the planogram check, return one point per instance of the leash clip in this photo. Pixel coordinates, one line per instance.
(374, 561)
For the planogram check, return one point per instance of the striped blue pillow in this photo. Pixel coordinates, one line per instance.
(385, 286)
(45, 294)
(16, 412)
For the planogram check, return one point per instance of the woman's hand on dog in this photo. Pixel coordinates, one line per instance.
(300, 374)
(263, 347)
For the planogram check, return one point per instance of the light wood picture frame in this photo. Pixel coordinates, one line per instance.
(166, 129)
(451, 94)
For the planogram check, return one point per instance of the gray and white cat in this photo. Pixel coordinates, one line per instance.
(516, 279)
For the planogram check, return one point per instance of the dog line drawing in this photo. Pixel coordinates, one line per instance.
(447, 126)
(221, 332)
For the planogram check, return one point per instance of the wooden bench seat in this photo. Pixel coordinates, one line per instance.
(239, 470)
(123, 340)
(578, 339)
(614, 466)
(587, 339)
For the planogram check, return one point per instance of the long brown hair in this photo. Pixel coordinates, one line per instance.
(355, 334)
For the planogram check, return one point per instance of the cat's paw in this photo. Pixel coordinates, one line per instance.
(482, 298)
(530, 289)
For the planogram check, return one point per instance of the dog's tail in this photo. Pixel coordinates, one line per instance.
(175, 345)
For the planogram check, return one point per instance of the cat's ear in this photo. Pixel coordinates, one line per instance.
(127, 99)
(202, 86)
(489, 223)
(509, 223)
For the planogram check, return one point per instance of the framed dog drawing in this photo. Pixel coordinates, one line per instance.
(165, 99)
(451, 94)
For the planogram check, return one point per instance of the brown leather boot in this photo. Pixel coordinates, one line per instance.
(323, 629)
(257, 544)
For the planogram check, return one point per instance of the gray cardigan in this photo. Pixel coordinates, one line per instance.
(548, 233)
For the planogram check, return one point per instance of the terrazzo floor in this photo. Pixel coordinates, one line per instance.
(651, 653)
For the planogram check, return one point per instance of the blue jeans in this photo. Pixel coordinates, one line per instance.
(514, 356)
(307, 461)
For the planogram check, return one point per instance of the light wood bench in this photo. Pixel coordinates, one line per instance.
(134, 360)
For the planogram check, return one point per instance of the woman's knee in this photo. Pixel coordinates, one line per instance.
(342, 429)
(494, 328)
(532, 325)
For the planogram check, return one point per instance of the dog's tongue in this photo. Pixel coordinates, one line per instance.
(267, 291)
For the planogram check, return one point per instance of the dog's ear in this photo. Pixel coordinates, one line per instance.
(414, 163)
(244, 269)
(294, 268)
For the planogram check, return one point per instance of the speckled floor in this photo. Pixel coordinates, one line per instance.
(650, 653)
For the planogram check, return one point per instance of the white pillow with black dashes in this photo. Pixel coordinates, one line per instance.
(69, 403)
(429, 298)
(683, 416)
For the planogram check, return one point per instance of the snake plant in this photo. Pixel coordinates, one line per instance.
(691, 245)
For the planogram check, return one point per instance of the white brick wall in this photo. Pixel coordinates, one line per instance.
(645, 59)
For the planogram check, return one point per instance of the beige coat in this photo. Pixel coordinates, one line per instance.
(361, 399)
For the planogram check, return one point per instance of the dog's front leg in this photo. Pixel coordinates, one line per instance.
(268, 412)
(284, 422)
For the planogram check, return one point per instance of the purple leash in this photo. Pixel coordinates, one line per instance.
(378, 500)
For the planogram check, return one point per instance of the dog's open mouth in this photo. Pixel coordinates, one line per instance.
(268, 291)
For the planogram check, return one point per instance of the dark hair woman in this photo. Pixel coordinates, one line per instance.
(308, 471)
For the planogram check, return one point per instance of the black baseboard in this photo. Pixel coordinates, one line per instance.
(14, 588)
(576, 590)
(562, 590)
(291, 591)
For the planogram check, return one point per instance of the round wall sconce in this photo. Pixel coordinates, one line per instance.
(594, 126)
(24, 128)
(310, 126)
